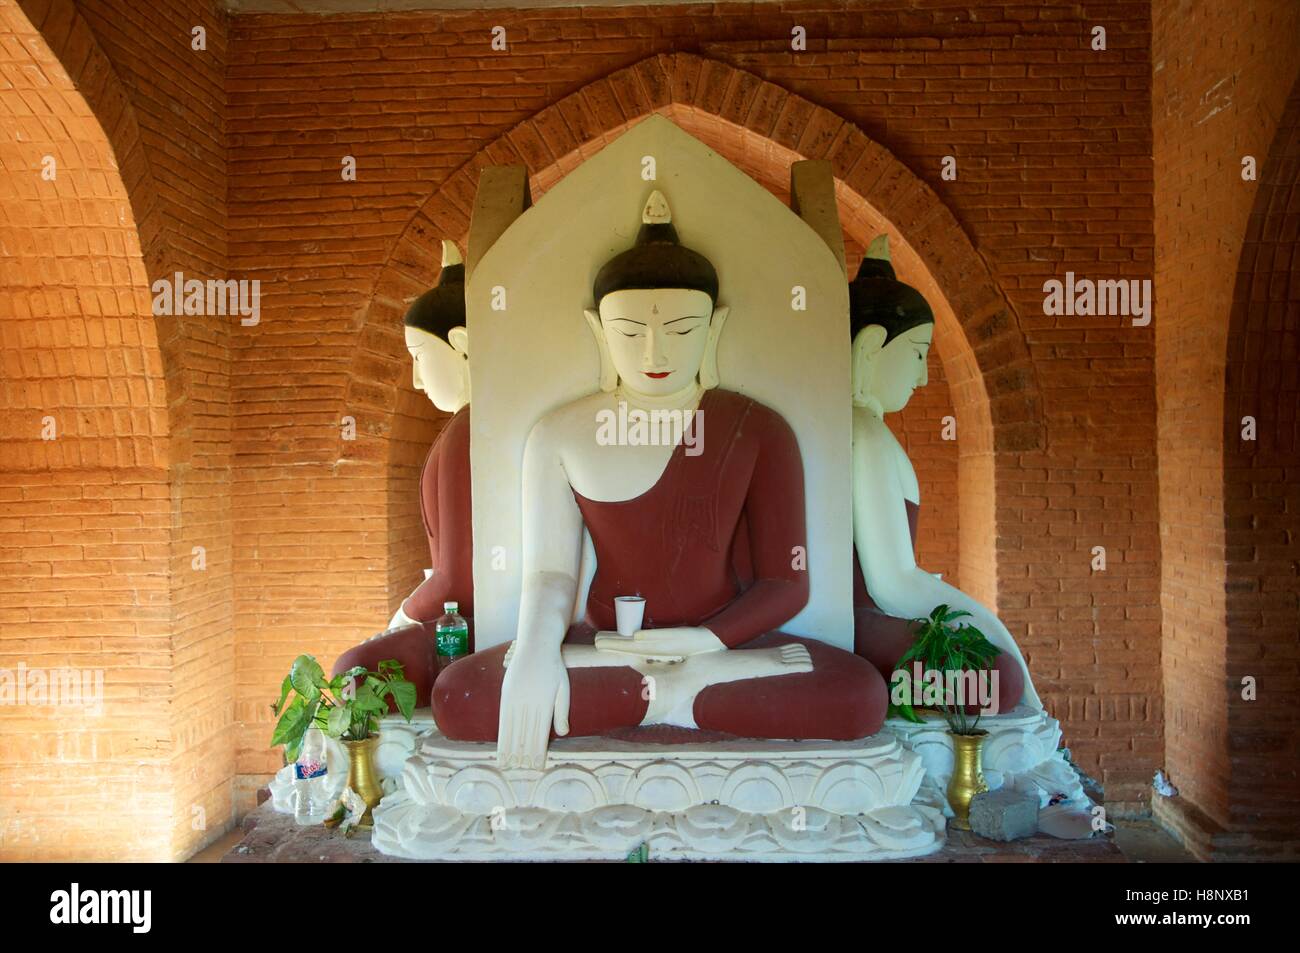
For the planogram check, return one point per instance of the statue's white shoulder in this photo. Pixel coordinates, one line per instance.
(578, 418)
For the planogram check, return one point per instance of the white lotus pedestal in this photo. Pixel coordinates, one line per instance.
(877, 799)
(601, 799)
(1022, 751)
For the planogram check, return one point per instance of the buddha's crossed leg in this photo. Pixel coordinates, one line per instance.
(777, 686)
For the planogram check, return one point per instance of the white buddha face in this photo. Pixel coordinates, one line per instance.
(891, 373)
(657, 338)
(440, 369)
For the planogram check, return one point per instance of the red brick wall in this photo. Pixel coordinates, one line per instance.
(177, 96)
(1222, 74)
(1052, 141)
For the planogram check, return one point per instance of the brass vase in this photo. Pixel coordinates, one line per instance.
(967, 776)
(363, 777)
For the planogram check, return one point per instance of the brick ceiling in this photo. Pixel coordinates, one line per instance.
(325, 7)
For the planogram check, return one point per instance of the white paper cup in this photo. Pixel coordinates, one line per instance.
(629, 612)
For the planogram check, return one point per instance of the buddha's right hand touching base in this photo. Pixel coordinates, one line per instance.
(534, 695)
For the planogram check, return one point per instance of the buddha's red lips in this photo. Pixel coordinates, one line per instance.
(658, 375)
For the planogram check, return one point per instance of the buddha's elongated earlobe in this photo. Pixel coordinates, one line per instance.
(866, 346)
(608, 373)
(709, 366)
(458, 338)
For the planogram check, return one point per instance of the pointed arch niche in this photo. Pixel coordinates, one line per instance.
(980, 372)
(85, 574)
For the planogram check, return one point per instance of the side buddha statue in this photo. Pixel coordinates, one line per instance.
(438, 343)
(891, 328)
(665, 525)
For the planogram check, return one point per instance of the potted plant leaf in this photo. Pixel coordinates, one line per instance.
(956, 651)
(346, 707)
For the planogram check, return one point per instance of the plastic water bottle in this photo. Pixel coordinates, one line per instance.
(452, 633)
(309, 778)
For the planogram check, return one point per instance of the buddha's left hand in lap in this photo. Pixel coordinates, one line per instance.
(669, 642)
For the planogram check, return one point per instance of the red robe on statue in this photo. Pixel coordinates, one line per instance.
(882, 639)
(445, 506)
(445, 509)
(673, 545)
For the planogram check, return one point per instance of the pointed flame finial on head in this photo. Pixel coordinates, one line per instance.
(442, 307)
(656, 210)
(657, 260)
(450, 253)
(879, 248)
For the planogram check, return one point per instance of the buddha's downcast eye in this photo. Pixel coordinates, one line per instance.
(684, 325)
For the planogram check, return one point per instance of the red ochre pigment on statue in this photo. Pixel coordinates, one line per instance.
(445, 505)
(445, 508)
(415, 646)
(673, 545)
(882, 639)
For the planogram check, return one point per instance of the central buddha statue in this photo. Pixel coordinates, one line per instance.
(708, 528)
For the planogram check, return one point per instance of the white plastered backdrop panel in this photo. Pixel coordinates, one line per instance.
(538, 353)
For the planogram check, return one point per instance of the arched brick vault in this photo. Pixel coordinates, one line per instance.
(47, 116)
(188, 504)
(81, 59)
(994, 387)
(716, 100)
(84, 573)
(1261, 500)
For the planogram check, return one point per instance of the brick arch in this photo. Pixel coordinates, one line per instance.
(78, 55)
(81, 330)
(85, 561)
(1261, 499)
(762, 128)
(170, 159)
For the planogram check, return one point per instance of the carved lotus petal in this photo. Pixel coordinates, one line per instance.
(901, 819)
(804, 830)
(479, 790)
(528, 827)
(439, 818)
(623, 818)
(1012, 753)
(892, 830)
(418, 783)
(527, 821)
(713, 817)
(569, 790)
(713, 827)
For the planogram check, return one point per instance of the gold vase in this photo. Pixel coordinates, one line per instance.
(967, 776)
(363, 777)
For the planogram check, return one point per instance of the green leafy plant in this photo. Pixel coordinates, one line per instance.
(347, 706)
(944, 645)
